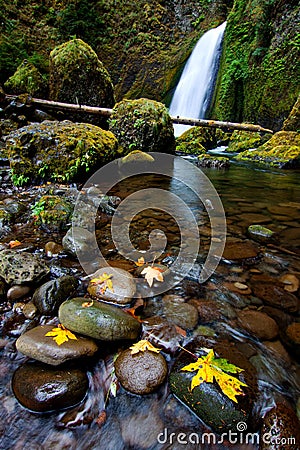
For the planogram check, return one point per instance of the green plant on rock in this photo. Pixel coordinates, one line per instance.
(18, 180)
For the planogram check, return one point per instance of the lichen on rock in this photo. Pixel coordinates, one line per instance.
(26, 79)
(196, 141)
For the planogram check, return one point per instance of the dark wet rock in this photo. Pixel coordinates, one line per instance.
(43, 348)
(207, 401)
(17, 291)
(161, 333)
(123, 286)
(177, 311)
(275, 295)
(78, 76)
(20, 268)
(260, 233)
(48, 297)
(291, 338)
(99, 321)
(278, 351)
(142, 372)
(58, 151)
(215, 162)
(258, 324)
(43, 388)
(30, 310)
(238, 251)
(208, 310)
(144, 125)
(3, 291)
(281, 429)
(79, 241)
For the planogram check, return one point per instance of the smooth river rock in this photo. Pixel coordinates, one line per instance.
(142, 372)
(99, 320)
(177, 311)
(44, 388)
(36, 345)
(258, 324)
(20, 268)
(123, 286)
(48, 297)
(80, 242)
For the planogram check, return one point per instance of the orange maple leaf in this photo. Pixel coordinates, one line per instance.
(152, 273)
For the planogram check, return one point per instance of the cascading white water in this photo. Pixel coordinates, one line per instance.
(194, 90)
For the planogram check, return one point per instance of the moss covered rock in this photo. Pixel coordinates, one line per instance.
(26, 79)
(52, 212)
(78, 76)
(58, 151)
(292, 123)
(144, 125)
(244, 140)
(215, 162)
(196, 141)
(282, 150)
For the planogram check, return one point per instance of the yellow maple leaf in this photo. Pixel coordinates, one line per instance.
(142, 346)
(140, 262)
(87, 304)
(61, 334)
(105, 281)
(152, 273)
(209, 367)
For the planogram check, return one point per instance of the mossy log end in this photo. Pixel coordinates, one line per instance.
(106, 112)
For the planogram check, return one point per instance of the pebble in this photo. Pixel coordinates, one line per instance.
(17, 291)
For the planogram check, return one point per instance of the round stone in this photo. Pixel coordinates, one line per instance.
(258, 324)
(122, 282)
(44, 388)
(142, 372)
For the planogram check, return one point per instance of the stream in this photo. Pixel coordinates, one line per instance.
(250, 195)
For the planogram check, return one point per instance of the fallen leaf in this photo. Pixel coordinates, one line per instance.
(13, 244)
(209, 367)
(180, 331)
(142, 346)
(87, 304)
(104, 280)
(140, 262)
(61, 334)
(152, 273)
(101, 419)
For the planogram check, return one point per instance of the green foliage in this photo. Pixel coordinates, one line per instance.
(18, 180)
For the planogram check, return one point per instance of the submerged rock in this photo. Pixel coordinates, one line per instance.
(79, 242)
(35, 344)
(258, 324)
(281, 429)
(260, 233)
(48, 297)
(142, 372)
(236, 251)
(215, 162)
(20, 268)
(274, 294)
(43, 388)
(123, 286)
(98, 320)
(180, 313)
(207, 401)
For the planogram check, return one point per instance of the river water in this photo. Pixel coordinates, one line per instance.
(250, 195)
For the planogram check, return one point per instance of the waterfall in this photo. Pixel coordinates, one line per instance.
(195, 88)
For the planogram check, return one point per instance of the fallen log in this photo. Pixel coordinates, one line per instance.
(107, 112)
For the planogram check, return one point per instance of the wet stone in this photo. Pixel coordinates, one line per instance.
(182, 314)
(258, 324)
(80, 242)
(275, 295)
(161, 333)
(260, 233)
(48, 297)
(235, 251)
(142, 372)
(208, 310)
(36, 345)
(44, 388)
(99, 320)
(17, 291)
(123, 286)
(19, 268)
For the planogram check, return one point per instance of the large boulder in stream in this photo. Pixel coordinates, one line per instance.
(78, 76)
(58, 151)
(196, 141)
(144, 125)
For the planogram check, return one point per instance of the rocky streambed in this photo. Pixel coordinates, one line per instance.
(92, 391)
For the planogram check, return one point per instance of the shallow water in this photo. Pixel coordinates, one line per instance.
(249, 195)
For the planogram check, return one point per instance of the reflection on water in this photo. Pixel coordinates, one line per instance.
(270, 198)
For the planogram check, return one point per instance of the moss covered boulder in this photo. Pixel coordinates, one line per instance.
(26, 79)
(214, 162)
(52, 212)
(78, 76)
(144, 125)
(244, 140)
(58, 151)
(282, 150)
(196, 141)
(292, 123)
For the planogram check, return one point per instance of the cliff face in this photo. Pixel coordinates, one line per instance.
(145, 44)
(259, 76)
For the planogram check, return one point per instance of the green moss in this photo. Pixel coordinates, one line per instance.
(282, 150)
(142, 124)
(196, 141)
(26, 79)
(53, 211)
(244, 140)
